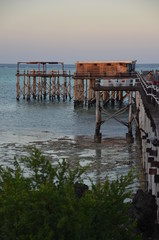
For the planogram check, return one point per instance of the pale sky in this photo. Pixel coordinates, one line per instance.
(73, 30)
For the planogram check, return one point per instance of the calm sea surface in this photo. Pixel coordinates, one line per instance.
(23, 123)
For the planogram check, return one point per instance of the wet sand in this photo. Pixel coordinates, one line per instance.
(110, 158)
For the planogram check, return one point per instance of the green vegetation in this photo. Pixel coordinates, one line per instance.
(43, 204)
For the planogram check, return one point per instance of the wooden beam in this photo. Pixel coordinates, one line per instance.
(118, 88)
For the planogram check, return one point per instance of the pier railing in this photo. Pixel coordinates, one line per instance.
(48, 73)
(102, 75)
(151, 91)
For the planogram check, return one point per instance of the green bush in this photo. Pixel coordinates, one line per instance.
(40, 203)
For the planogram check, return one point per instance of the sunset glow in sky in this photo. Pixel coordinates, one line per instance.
(72, 30)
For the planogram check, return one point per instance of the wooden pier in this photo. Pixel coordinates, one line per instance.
(97, 84)
(109, 81)
(86, 75)
(147, 103)
(106, 81)
(42, 79)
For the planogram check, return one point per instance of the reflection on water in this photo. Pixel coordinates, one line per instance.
(98, 164)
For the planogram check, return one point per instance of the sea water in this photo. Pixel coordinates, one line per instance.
(61, 131)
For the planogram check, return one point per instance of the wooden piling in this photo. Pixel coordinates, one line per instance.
(81, 92)
(86, 90)
(64, 88)
(113, 98)
(75, 93)
(34, 85)
(78, 92)
(28, 88)
(130, 112)
(69, 85)
(105, 97)
(18, 86)
(89, 92)
(54, 88)
(44, 87)
(50, 88)
(41, 89)
(120, 96)
(38, 87)
(129, 136)
(92, 89)
(58, 87)
(24, 86)
(98, 135)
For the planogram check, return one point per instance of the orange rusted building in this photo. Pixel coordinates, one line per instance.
(88, 72)
(101, 69)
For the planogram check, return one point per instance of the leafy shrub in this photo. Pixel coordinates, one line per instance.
(43, 205)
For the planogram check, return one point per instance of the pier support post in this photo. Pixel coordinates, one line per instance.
(38, 87)
(105, 97)
(64, 88)
(24, 86)
(44, 87)
(50, 88)
(58, 87)
(75, 93)
(34, 85)
(28, 88)
(81, 92)
(54, 87)
(120, 97)
(113, 98)
(89, 92)
(98, 135)
(78, 92)
(69, 85)
(41, 89)
(85, 96)
(17, 85)
(129, 135)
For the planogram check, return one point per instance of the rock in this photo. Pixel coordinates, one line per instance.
(80, 189)
(144, 210)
